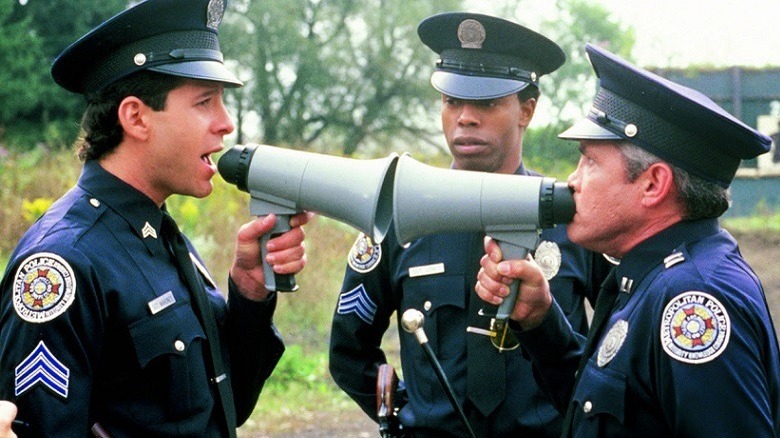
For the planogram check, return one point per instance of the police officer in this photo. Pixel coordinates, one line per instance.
(108, 318)
(488, 74)
(682, 343)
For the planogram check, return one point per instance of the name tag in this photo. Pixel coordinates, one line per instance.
(161, 302)
(421, 271)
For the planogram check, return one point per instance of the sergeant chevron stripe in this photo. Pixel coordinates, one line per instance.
(41, 366)
(357, 301)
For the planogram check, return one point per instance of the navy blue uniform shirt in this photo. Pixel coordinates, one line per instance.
(689, 349)
(96, 324)
(436, 275)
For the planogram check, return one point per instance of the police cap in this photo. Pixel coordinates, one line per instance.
(175, 37)
(484, 57)
(678, 124)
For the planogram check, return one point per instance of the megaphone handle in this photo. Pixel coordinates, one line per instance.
(276, 282)
(510, 252)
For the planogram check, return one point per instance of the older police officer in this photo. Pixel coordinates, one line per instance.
(682, 343)
(488, 72)
(108, 318)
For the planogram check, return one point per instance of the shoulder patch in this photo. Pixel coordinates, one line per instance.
(358, 302)
(44, 287)
(695, 327)
(548, 257)
(365, 254)
(40, 366)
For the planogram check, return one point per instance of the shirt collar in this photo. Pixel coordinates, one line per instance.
(643, 258)
(140, 212)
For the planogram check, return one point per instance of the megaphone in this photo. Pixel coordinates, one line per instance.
(512, 209)
(286, 182)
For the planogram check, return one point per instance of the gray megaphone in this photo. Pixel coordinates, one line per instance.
(286, 182)
(512, 209)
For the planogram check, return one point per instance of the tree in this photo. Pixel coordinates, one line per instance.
(570, 89)
(20, 51)
(334, 75)
(580, 22)
(34, 32)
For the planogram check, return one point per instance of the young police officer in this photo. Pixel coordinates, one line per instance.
(682, 343)
(487, 74)
(108, 318)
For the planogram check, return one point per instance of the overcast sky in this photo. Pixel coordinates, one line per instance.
(680, 33)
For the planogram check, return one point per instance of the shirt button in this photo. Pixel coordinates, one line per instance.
(427, 305)
(178, 345)
(587, 407)
(95, 203)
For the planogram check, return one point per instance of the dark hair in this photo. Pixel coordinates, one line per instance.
(701, 199)
(529, 92)
(101, 131)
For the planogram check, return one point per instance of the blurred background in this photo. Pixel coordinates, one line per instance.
(351, 78)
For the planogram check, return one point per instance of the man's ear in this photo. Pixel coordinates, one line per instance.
(131, 116)
(527, 109)
(657, 184)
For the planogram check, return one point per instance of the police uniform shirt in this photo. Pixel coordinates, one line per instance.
(689, 349)
(436, 275)
(97, 326)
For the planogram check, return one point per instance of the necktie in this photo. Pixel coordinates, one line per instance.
(486, 374)
(603, 309)
(181, 254)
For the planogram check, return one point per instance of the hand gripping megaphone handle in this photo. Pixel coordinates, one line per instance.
(510, 252)
(276, 282)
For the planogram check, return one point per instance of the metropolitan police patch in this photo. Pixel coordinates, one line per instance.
(44, 287)
(365, 254)
(695, 327)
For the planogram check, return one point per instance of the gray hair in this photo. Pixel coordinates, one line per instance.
(701, 199)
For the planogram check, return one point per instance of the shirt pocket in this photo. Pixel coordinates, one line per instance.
(442, 300)
(599, 402)
(167, 333)
(169, 347)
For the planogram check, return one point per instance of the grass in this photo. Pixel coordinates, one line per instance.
(757, 223)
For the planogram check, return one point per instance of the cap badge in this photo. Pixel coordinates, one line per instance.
(471, 34)
(215, 10)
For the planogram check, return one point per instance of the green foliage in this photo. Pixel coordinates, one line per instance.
(20, 51)
(334, 75)
(571, 87)
(549, 155)
(32, 210)
(32, 33)
(31, 177)
(763, 219)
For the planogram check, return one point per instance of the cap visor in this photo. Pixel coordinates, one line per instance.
(474, 87)
(586, 129)
(202, 70)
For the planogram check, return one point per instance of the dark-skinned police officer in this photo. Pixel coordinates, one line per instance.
(108, 318)
(488, 76)
(682, 342)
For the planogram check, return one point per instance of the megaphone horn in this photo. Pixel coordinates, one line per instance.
(429, 200)
(285, 182)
